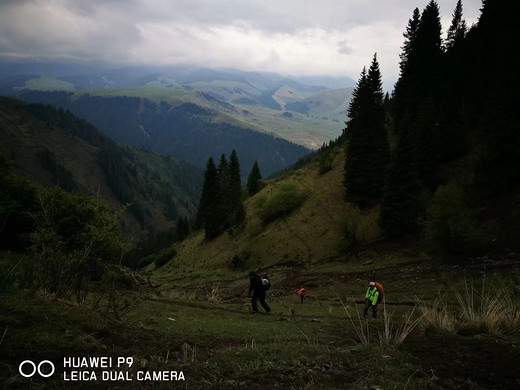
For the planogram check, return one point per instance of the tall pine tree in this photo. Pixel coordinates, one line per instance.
(235, 190)
(225, 207)
(208, 213)
(399, 105)
(367, 151)
(457, 29)
(253, 180)
(421, 71)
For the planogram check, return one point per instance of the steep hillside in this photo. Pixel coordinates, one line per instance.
(316, 232)
(53, 147)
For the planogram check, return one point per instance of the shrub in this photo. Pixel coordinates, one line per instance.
(74, 235)
(240, 260)
(258, 201)
(450, 223)
(283, 202)
(325, 162)
(146, 261)
(165, 256)
(359, 228)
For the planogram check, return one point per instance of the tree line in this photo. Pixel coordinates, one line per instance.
(451, 115)
(220, 207)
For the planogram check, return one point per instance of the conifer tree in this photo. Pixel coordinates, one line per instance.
(457, 29)
(208, 214)
(401, 203)
(235, 190)
(223, 172)
(406, 68)
(225, 208)
(367, 149)
(421, 69)
(410, 35)
(253, 180)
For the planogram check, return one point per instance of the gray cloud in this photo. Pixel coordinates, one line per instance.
(344, 48)
(299, 37)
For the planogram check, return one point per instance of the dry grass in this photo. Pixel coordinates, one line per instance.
(392, 335)
(492, 309)
(437, 316)
(362, 331)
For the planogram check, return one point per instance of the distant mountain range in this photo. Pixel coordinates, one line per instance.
(92, 76)
(191, 113)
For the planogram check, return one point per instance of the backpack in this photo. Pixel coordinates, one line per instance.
(265, 282)
(381, 290)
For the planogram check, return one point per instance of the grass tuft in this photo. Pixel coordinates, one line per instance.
(491, 310)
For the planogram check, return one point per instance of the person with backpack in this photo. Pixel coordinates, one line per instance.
(302, 293)
(372, 298)
(258, 285)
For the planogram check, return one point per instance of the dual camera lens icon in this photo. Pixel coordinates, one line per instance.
(28, 368)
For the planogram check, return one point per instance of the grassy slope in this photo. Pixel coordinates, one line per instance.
(203, 327)
(195, 316)
(311, 235)
(47, 84)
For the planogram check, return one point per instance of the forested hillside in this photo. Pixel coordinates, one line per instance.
(53, 147)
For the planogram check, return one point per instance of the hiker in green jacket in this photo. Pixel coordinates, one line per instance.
(371, 298)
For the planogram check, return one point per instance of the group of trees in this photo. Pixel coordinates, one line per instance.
(453, 101)
(220, 205)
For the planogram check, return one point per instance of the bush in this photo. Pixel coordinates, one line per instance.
(74, 234)
(258, 201)
(283, 202)
(325, 162)
(146, 261)
(165, 256)
(240, 261)
(359, 229)
(451, 225)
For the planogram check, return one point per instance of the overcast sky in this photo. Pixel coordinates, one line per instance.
(291, 37)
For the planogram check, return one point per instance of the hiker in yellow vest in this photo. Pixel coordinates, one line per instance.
(371, 298)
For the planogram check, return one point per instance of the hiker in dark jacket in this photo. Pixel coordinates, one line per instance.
(257, 288)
